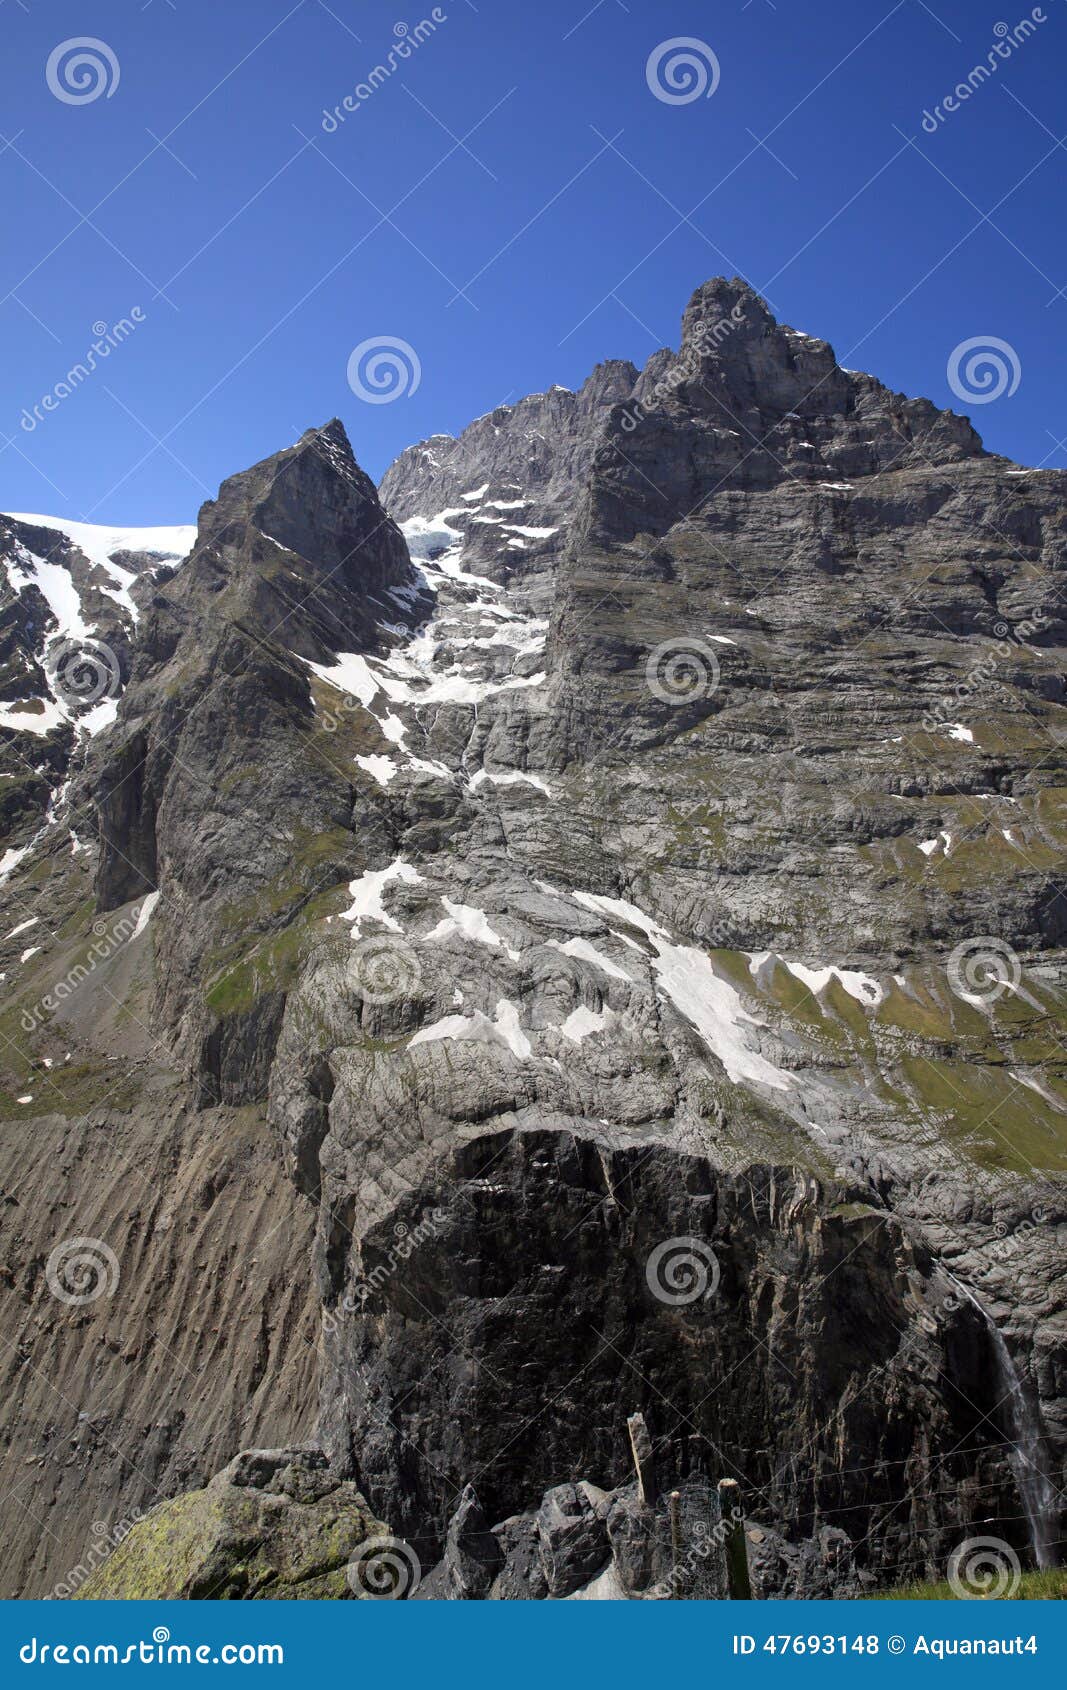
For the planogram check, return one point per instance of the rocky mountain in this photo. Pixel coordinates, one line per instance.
(70, 599)
(587, 921)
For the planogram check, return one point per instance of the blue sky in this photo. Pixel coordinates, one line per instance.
(514, 201)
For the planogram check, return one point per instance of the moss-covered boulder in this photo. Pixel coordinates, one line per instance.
(275, 1524)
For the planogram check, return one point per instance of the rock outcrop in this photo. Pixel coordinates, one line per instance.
(275, 1525)
(628, 885)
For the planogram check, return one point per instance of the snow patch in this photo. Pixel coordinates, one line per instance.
(382, 768)
(863, 987)
(582, 1021)
(509, 777)
(144, 914)
(583, 951)
(10, 861)
(366, 894)
(473, 923)
(503, 1030)
(711, 1004)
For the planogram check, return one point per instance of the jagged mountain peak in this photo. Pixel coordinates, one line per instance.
(311, 497)
(641, 855)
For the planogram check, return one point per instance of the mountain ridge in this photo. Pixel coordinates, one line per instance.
(651, 834)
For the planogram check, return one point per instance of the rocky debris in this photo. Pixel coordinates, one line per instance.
(586, 1544)
(572, 1537)
(198, 1340)
(472, 1557)
(274, 1525)
(822, 1566)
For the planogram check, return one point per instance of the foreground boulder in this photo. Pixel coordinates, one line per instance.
(275, 1524)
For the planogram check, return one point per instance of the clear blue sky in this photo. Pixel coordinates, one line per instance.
(562, 216)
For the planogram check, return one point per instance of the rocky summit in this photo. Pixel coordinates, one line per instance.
(553, 963)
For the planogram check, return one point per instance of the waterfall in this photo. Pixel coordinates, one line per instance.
(1026, 1450)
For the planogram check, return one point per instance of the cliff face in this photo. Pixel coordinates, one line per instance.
(641, 869)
